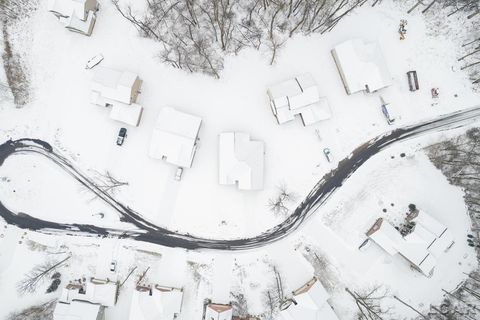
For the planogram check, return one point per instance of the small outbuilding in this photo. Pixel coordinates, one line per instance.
(78, 310)
(413, 250)
(216, 311)
(241, 161)
(361, 65)
(76, 15)
(156, 302)
(298, 96)
(175, 137)
(309, 302)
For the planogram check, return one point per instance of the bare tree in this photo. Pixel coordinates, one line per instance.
(37, 275)
(40, 312)
(368, 303)
(279, 203)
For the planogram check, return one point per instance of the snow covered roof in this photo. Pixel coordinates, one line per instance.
(174, 137)
(298, 96)
(66, 8)
(129, 114)
(77, 310)
(215, 311)
(241, 160)
(97, 291)
(310, 303)
(77, 24)
(157, 303)
(413, 248)
(436, 235)
(361, 66)
(117, 85)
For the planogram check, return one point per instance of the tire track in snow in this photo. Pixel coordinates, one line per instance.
(149, 232)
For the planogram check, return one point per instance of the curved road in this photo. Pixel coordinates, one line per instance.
(147, 231)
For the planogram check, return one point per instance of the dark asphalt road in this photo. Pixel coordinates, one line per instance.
(147, 231)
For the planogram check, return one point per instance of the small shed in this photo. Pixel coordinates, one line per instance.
(174, 137)
(156, 302)
(361, 65)
(241, 161)
(78, 310)
(310, 302)
(411, 248)
(298, 96)
(216, 311)
(110, 86)
(76, 15)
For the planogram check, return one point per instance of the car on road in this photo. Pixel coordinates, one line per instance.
(113, 266)
(327, 154)
(122, 134)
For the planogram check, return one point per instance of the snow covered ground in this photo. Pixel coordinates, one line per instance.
(60, 112)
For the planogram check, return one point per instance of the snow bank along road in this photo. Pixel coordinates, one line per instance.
(147, 231)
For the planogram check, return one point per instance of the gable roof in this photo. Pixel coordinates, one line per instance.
(241, 160)
(157, 303)
(215, 311)
(76, 310)
(310, 303)
(114, 84)
(174, 137)
(361, 66)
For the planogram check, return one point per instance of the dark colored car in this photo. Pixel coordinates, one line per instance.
(122, 134)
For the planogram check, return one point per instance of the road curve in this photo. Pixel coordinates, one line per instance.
(144, 230)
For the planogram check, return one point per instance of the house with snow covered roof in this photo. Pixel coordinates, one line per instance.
(155, 302)
(361, 65)
(298, 96)
(241, 161)
(413, 249)
(437, 236)
(216, 311)
(175, 137)
(76, 15)
(118, 90)
(309, 302)
(96, 291)
(78, 310)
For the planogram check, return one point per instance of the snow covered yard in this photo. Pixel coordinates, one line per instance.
(60, 112)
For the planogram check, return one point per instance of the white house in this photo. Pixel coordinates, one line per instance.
(309, 302)
(75, 15)
(156, 303)
(110, 86)
(96, 291)
(298, 96)
(215, 311)
(78, 310)
(241, 161)
(119, 90)
(174, 137)
(412, 249)
(361, 65)
(437, 236)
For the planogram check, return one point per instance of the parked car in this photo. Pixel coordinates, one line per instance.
(122, 134)
(327, 154)
(113, 266)
(178, 174)
(93, 61)
(388, 112)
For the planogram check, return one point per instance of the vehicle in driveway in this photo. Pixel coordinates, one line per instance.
(328, 154)
(94, 61)
(178, 173)
(122, 134)
(388, 111)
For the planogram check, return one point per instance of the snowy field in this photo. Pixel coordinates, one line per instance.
(60, 113)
